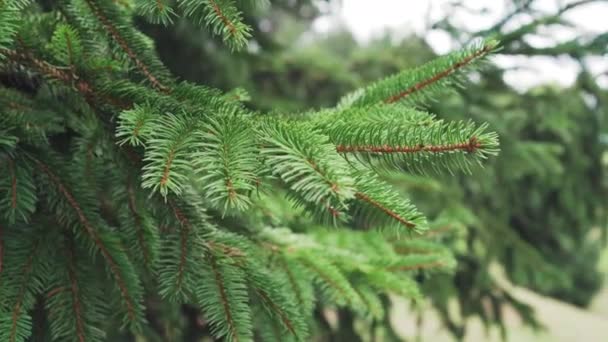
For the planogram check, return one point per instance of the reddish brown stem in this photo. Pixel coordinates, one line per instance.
(107, 24)
(224, 298)
(76, 306)
(278, 310)
(90, 230)
(333, 211)
(11, 167)
(387, 211)
(138, 224)
(138, 126)
(470, 146)
(165, 177)
(440, 75)
(184, 229)
(229, 251)
(19, 302)
(55, 291)
(231, 192)
(225, 20)
(292, 280)
(49, 70)
(67, 78)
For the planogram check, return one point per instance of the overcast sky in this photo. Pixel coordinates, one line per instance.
(371, 18)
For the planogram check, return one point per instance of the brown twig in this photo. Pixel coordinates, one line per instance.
(93, 234)
(440, 75)
(113, 31)
(469, 146)
(387, 211)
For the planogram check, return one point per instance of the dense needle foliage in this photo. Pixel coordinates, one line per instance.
(127, 193)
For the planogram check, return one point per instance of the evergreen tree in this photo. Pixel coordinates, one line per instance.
(131, 198)
(498, 219)
(538, 212)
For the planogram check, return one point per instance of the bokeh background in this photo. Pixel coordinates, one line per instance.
(529, 230)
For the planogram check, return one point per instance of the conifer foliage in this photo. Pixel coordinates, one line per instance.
(123, 189)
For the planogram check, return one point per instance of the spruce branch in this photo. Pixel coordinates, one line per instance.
(469, 146)
(74, 304)
(486, 49)
(380, 205)
(304, 160)
(19, 201)
(51, 71)
(266, 286)
(224, 299)
(331, 280)
(69, 79)
(167, 157)
(371, 300)
(183, 244)
(10, 17)
(13, 187)
(389, 281)
(136, 124)
(205, 99)
(118, 37)
(226, 161)
(375, 114)
(419, 84)
(277, 309)
(387, 211)
(157, 11)
(118, 264)
(299, 282)
(22, 279)
(75, 295)
(393, 143)
(223, 18)
(19, 310)
(145, 232)
(7, 142)
(182, 248)
(66, 46)
(363, 257)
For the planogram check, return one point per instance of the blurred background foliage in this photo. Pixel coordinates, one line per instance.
(538, 211)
